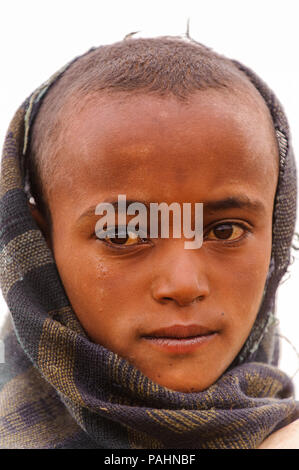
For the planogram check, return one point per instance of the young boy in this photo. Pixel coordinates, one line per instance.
(145, 342)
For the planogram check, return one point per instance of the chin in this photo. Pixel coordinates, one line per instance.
(183, 386)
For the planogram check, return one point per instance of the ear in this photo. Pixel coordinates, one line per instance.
(41, 222)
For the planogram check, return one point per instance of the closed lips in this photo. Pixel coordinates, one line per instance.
(180, 332)
(180, 339)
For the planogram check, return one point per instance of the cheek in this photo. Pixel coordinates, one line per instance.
(240, 288)
(105, 292)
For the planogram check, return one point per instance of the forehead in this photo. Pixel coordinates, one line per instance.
(157, 144)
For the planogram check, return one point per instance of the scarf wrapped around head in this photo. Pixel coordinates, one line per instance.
(58, 389)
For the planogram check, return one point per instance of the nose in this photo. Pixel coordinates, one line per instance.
(181, 278)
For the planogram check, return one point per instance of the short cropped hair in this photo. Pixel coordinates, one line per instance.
(163, 66)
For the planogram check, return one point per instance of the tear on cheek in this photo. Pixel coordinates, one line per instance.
(102, 269)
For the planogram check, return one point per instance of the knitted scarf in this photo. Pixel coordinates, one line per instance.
(58, 389)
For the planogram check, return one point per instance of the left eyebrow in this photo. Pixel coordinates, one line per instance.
(231, 202)
(236, 202)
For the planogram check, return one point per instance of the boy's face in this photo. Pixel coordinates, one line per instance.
(144, 299)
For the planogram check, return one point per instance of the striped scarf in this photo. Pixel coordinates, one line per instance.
(58, 389)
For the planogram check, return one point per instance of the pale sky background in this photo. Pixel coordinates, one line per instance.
(37, 37)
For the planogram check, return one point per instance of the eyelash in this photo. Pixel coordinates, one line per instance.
(147, 241)
(119, 246)
(232, 243)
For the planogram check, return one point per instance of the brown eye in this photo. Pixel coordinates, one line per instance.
(131, 238)
(228, 231)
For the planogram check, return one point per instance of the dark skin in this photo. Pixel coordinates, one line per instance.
(219, 146)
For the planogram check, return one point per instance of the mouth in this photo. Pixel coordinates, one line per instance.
(180, 339)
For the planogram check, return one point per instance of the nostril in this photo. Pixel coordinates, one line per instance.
(184, 301)
(197, 299)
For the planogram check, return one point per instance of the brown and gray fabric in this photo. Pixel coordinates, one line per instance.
(58, 389)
